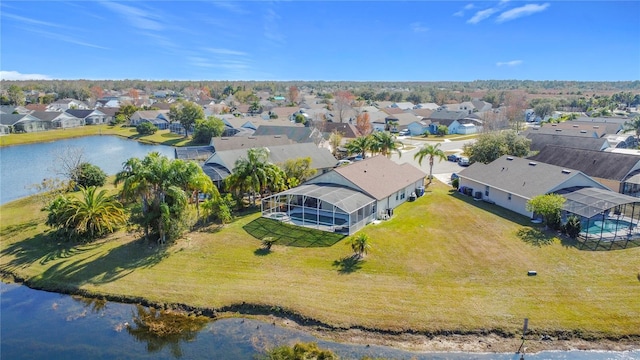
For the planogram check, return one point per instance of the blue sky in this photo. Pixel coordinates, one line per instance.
(321, 40)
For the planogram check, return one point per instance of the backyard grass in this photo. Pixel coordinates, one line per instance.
(441, 263)
(162, 137)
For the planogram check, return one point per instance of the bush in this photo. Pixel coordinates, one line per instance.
(455, 183)
(86, 175)
(204, 130)
(146, 128)
(572, 227)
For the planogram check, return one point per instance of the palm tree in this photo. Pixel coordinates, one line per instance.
(359, 145)
(96, 214)
(432, 151)
(634, 124)
(254, 174)
(360, 245)
(92, 215)
(384, 143)
(162, 186)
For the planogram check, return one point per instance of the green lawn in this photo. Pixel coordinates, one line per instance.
(163, 137)
(441, 263)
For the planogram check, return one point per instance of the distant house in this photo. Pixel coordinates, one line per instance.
(108, 102)
(159, 118)
(89, 117)
(457, 122)
(349, 197)
(348, 131)
(401, 121)
(427, 106)
(402, 105)
(23, 123)
(298, 134)
(248, 142)
(10, 109)
(419, 127)
(66, 104)
(59, 120)
(242, 126)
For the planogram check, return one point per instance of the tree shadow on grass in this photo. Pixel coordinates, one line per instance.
(263, 251)
(348, 264)
(290, 235)
(535, 237)
(78, 264)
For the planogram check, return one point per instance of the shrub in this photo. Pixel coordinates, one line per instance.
(86, 175)
(573, 227)
(455, 183)
(146, 128)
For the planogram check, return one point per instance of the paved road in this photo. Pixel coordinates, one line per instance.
(442, 170)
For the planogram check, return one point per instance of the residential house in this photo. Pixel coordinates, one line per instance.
(348, 131)
(457, 122)
(10, 109)
(402, 105)
(349, 197)
(481, 106)
(109, 114)
(239, 126)
(595, 133)
(427, 106)
(298, 134)
(398, 122)
(159, 118)
(90, 117)
(108, 102)
(466, 107)
(67, 104)
(619, 172)
(59, 120)
(539, 141)
(222, 163)
(280, 112)
(22, 123)
(511, 181)
(419, 127)
(248, 142)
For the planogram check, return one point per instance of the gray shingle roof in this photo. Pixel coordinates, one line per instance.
(524, 177)
(296, 133)
(247, 142)
(12, 119)
(379, 176)
(601, 164)
(539, 141)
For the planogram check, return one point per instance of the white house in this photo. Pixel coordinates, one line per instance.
(511, 181)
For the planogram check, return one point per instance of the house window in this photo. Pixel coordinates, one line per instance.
(397, 195)
(402, 195)
(509, 196)
(486, 191)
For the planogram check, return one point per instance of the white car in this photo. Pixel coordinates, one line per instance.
(464, 161)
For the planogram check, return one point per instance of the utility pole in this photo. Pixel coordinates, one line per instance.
(524, 332)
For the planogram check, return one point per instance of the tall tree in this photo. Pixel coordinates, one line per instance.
(204, 130)
(549, 206)
(516, 102)
(634, 125)
(294, 93)
(298, 170)
(544, 109)
(16, 95)
(343, 100)
(186, 113)
(363, 124)
(432, 152)
(335, 140)
(490, 146)
(163, 187)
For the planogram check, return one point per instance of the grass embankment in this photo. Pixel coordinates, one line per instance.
(442, 263)
(162, 137)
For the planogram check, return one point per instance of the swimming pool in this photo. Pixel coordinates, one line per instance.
(609, 225)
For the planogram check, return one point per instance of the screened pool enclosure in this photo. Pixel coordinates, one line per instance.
(326, 207)
(605, 216)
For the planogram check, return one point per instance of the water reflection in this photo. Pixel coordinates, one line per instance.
(165, 328)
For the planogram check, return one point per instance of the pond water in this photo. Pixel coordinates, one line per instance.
(42, 325)
(25, 165)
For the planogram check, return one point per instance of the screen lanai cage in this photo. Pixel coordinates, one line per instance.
(325, 207)
(606, 217)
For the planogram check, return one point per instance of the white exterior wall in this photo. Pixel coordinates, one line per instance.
(397, 198)
(517, 204)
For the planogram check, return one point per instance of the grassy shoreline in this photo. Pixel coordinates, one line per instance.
(442, 265)
(161, 137)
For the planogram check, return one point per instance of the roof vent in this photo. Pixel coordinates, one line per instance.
(509, 158)
(558, 130)
(566, 171)
(554, 124)
(596, 127)
(575, 126)
(583, 131)
(532, 163)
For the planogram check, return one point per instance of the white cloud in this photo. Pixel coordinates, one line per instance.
(469, 6)
(461, 12)
(271, 32)
(521, 11)
(482, 15)
(30, 21)
(14, 75)
(231, 6)
(511, 63)
(418, 27)
(226, 52)
(66, 38)
(138, 18)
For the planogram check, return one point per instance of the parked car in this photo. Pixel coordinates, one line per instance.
(343, 162)
(454, 176)
(464, 161)
(454, 157)
(404, 132)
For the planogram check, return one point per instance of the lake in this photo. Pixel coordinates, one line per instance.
(25, 165)
(42, 325)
